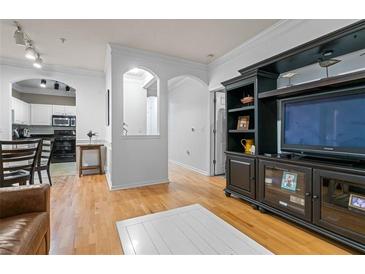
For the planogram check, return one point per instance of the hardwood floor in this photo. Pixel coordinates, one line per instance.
(84, 212)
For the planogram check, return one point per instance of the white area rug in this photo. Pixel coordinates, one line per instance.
(186, 230)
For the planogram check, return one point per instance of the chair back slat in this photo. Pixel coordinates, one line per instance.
(46, 151)
(18, 167)
(19, 159)
(16, 157)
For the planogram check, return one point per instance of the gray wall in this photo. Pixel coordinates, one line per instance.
(44, 99)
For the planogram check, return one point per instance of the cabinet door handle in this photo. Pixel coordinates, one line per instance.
(307, 194)
(315, 197)
(252, 178)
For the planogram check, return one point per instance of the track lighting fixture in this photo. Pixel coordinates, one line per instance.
(43, 83)
(30, 53)
(19, 35)
(56, 85)
(38, 62)
(68, 88)
(22, 38)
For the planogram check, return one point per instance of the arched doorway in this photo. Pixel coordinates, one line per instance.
(140, 103)
(188, 123)
(46, 108)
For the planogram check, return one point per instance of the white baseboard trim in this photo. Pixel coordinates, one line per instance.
(139, 184)
(108, 180)
(203, 172)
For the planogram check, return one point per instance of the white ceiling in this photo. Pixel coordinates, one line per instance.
(33, 86)
(86, 39)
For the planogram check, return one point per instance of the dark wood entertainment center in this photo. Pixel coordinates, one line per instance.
(323, 187)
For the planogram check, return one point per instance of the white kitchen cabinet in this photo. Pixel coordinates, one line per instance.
(58, 110)
(64, 110)
(21, 111)
(41, 115)
(70, 110)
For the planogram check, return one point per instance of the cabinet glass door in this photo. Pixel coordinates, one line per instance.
(339, 203)
(286, 187)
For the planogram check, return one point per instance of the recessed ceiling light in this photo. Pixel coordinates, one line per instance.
(63, 40)
(134, 70)
(43, 83)
(38, 62)
(210, 56)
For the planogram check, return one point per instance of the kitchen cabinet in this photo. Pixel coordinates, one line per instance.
(64, 110)
(41, 115)
(21, 112)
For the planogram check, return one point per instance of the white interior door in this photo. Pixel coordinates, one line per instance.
(220, 133)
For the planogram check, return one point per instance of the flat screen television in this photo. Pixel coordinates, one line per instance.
(330, 124)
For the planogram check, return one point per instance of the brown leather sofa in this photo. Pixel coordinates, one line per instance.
(25, 220)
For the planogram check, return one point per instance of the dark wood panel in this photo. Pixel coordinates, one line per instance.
(342, 41)
(241, 175)
(348, 80)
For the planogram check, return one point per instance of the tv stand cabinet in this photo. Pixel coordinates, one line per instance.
(319, 197)
(319, 201)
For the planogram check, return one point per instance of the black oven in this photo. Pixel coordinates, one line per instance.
(64, 146)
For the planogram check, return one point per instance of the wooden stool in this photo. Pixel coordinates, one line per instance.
(90, 147)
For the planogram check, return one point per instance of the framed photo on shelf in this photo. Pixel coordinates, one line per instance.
(289, 181)
(357, 201)
(243, 122)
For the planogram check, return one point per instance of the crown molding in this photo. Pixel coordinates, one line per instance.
(284, 24)
(20, 63)
(124, 50)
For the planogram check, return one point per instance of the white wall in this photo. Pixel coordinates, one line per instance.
(135, 106)
(141, 160)
(282, 36)
(188, 124)
(90, 91)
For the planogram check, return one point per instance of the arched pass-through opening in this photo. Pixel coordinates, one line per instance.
(188, 123)
(46, 108)
(140, 103)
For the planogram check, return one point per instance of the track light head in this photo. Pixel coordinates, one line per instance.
(56, 85)
(38, 62)
(30, 53)
(19, 35)
(43, 83)
(68, 88)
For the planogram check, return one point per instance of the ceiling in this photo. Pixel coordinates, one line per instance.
(86, 40)
(33, 86)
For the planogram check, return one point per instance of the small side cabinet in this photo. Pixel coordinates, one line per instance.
(241, 175)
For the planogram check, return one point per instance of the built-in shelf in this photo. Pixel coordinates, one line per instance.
(241, 131)
(241, 108)
(240, 153)
(330, 82)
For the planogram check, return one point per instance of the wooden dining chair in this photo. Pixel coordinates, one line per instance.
(44, 160)
(18, 160)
